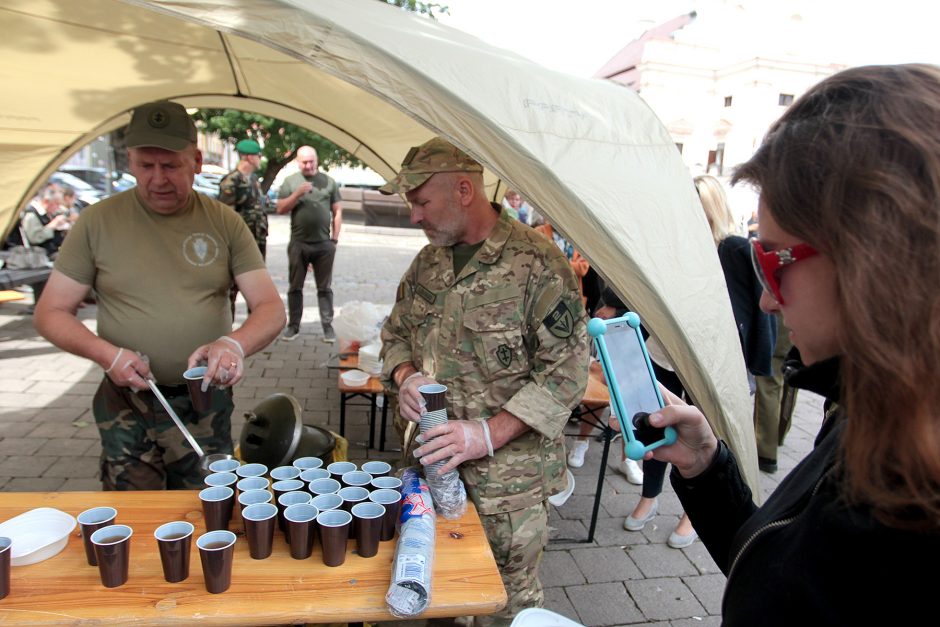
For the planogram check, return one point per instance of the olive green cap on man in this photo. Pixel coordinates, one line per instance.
(162, 124)
(424, 161)
(248, 147)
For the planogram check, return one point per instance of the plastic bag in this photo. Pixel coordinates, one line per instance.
(360, 321)
(410, 591)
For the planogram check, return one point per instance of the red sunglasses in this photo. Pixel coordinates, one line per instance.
(768, 264)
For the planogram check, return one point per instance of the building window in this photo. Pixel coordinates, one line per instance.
(785, 100)
(679, 146)
(727, 101)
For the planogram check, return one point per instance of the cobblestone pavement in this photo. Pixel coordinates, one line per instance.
(48, 441)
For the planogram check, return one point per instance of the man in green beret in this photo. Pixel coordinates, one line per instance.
(241, 190)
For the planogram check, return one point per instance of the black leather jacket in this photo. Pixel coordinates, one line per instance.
(806, 557)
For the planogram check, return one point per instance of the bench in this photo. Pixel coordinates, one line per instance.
(26, 276)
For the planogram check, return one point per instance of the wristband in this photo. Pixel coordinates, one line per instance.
(486, 436)
(116, 358)
(235, 343)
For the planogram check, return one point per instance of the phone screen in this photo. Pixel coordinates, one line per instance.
(631, 370)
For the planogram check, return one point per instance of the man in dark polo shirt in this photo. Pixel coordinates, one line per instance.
(316, 215)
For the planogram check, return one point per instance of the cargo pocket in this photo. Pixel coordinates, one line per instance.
(496, 332)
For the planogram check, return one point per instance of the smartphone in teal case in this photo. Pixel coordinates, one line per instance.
(634, 392)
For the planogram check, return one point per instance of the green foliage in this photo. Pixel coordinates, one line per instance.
(431, 9)
(279, 140)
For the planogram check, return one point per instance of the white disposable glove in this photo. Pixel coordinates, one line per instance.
(460, 440)
(410, 402)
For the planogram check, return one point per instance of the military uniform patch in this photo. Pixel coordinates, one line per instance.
(559, 321)
(504, 355)
(425, 293)
(400, 294)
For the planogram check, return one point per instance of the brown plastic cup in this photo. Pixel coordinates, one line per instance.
(367, 518)
(351, 496)
(435, 396)
(324, 486)
(217, 552)
(5, 550)
(259, 529)
(113, 551)
(301, 528)
(217, 506)
(338, 469)
(175, 541)
(220, 479)
(286, 485)
(377, 468)
(307, 463)
(202, 401)
(310, 475)
(252, 483)
(334, 533)
(383, 483)
(356, 479)
(90, 521)
(391, 502)
(282, 473)
(324, 502)
(295, 497)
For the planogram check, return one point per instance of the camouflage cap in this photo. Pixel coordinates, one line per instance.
(162, 124)
(248, 147)
(426, 160)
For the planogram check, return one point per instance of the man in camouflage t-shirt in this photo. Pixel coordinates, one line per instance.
(492, 310)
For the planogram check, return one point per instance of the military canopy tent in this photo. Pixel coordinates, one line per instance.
(376, 80)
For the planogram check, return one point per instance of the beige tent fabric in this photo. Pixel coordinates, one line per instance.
(588, 154)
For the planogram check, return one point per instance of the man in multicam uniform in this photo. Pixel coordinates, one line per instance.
(160, 258)
(241, 190)
(492, 310)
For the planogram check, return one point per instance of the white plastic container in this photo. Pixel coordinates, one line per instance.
(37, 534)
(355, 378)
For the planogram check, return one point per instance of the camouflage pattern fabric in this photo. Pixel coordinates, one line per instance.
(517, 539)
(142, 449)
(244, 194)
(422, 162)
(508, 332)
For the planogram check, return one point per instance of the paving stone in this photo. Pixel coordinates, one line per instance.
(559, 569)
(65, 447)
(16, 429)
(72, 466)
(610, 532)
(20, 446)
(665, 598)
(14, 384)
(11, 414)
(708, 589)
(605, 564)
(33, 484)
(659, 560)
(54, 430)
(83, 484)
(698, 621)
(700, 557)
(604, 604)
(556, 600)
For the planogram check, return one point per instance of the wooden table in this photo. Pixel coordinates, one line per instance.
(370, 391)
(65, 590)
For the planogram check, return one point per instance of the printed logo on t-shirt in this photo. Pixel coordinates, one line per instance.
(200, 249)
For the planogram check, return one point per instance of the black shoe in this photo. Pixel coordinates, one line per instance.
(767, 465)
(329, 336)
(290, 334)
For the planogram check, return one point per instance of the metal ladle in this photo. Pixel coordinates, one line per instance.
(179, 423)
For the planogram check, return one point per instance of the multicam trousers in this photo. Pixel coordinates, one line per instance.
(518, 540)
(142, 449)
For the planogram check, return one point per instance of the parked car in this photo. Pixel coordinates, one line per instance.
(85, 194)
(105, 181)
(204, 184)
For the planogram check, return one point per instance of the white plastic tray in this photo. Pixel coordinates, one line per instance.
(37, 534)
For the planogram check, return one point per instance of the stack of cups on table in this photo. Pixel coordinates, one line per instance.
(447, 490)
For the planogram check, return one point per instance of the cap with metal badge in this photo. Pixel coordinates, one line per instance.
(162, 124)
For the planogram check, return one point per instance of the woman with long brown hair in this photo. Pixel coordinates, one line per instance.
(849, 254)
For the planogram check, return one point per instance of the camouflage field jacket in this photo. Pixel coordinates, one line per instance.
(508, 332)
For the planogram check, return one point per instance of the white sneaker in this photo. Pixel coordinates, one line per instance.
(632, 471)
(576, 454)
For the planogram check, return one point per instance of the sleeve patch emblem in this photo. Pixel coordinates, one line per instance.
(504, 355)
(559, 321)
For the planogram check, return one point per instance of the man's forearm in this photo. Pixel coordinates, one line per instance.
(504, 428)
(403, 371)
